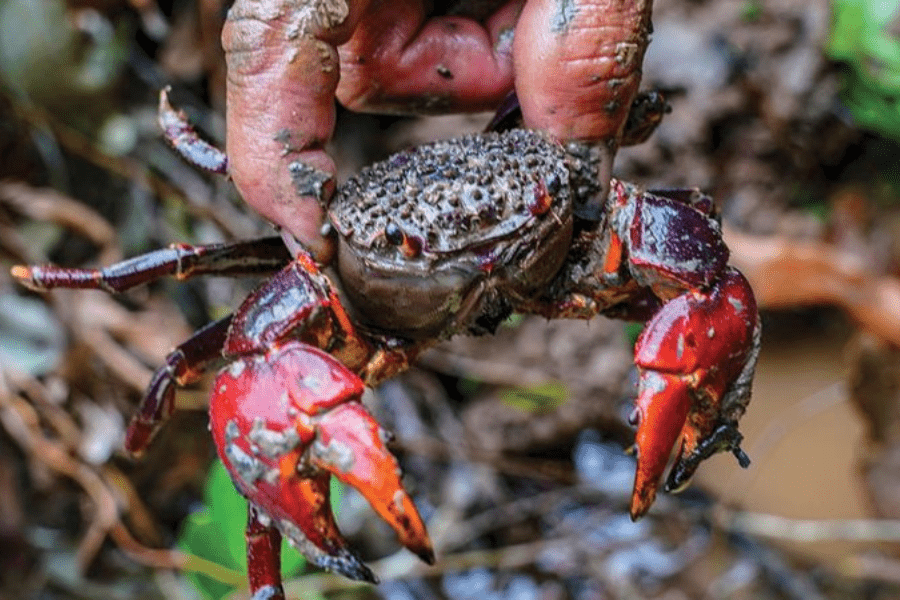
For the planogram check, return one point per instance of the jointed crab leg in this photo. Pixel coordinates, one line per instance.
(186, 362)
(183, 138)
(263, 556)
(183, 366)
(254, 257)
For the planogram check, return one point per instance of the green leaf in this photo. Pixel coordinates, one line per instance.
(751, 11)
(632, 331)
(537, 399)
(467, 386)
(866, 37)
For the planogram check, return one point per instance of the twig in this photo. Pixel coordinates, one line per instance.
(123, 364)
(403, 566)
(787, 273)
(793, 584)
(127, 168)
(516, 511)
(496, 373)
(22, 422)
(554, 470)
(872, 567)
(807, 531)
(46, 204)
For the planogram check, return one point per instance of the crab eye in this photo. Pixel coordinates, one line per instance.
(542, 200)
(393, 234)
(410, 246)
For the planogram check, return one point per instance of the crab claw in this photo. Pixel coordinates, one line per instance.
(283, 422)
(351, 445)
(696, 359)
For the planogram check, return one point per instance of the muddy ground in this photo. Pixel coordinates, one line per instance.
(512, 444)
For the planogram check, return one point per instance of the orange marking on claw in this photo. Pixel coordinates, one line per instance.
(613, 254)
(663, 406)
(350, 445)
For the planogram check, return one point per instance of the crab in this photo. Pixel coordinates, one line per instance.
(446, 238)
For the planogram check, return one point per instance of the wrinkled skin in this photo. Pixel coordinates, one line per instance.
(288, 59)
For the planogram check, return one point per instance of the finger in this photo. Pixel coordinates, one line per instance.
(282, 73)
(578, 64)
(578, 68)
(399, 60)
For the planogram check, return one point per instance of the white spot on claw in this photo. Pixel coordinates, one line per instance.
(337, 454)
(399, 496)
(236, 368)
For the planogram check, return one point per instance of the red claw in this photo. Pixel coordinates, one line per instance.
(351, 446)
(283, 422)
(696, 358)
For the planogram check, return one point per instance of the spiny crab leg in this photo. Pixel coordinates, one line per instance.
(187, 361)
(283, 422)
(184, 139)
(696, 358)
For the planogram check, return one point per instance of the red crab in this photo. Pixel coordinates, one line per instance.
(450, 237)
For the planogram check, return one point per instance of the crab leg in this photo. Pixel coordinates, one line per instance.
(263, 556)
(255, 257)
(183, 138)
(183, 365)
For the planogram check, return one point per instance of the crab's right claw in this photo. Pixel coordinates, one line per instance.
(696, 359)
(283, 422)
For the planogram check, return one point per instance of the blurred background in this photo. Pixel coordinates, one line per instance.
(787, 112)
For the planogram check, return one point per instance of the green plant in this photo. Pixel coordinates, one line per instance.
(865, 36)
(537, 399)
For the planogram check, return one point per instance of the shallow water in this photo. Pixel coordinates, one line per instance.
(805, 439)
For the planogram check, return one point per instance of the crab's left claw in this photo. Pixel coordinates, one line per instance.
(696, 359)
(283, 422)
(351, 445)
